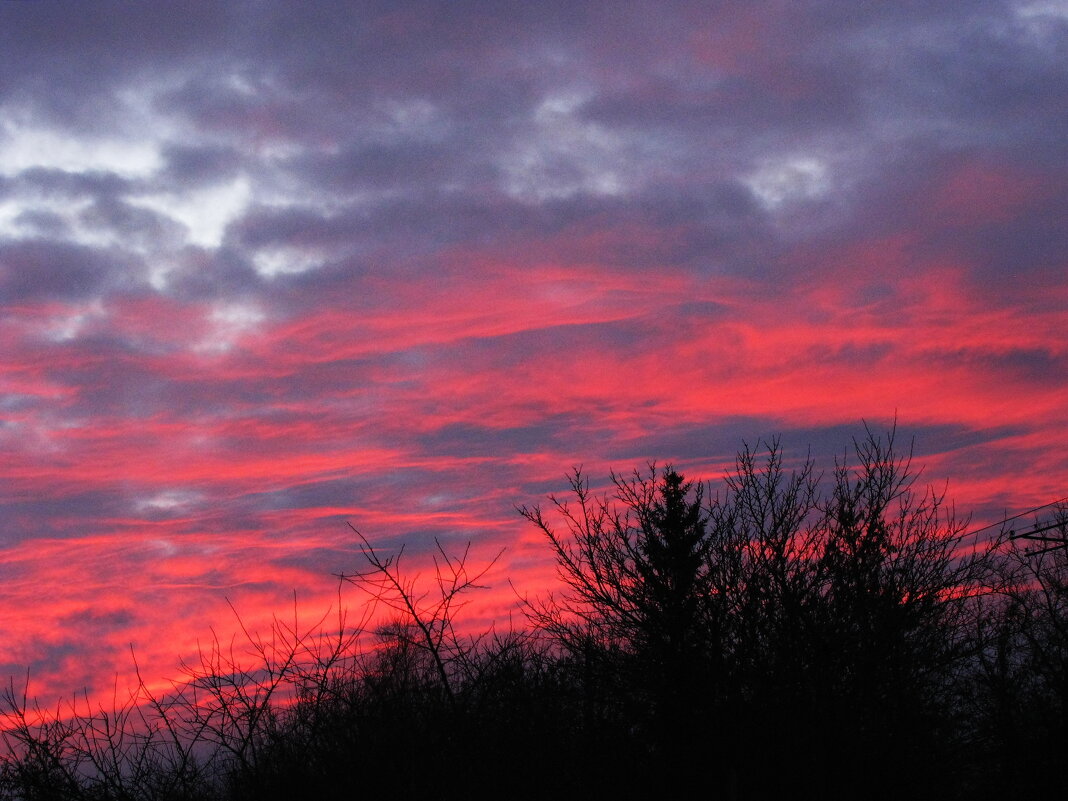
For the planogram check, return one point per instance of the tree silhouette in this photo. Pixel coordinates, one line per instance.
(793, 634)
(799, 614)
(898, 578)
(1018, 689)
(641, 608)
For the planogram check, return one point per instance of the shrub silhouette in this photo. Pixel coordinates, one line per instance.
(771, 614)
(789, 634)
(1017, 689)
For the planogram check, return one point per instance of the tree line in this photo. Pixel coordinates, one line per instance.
(789, 635)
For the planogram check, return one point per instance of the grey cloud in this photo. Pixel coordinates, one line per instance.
(65, 184)
(390, 166)
(322, 493)
(45, 224)
(718, 441)
(467, 440)
(301, 225)
(60, 510)
(41, 269)
(201, 274)
(101, 622)
(66, 60)
(323, 562)
(1034, 367)
(320, 76)
(191, 164)
(132, 225)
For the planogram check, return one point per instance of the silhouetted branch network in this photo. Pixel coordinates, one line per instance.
(792, 633)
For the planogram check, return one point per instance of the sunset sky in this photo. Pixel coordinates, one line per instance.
(271, 267)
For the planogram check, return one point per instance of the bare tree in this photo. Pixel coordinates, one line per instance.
(1019, 688)
(642, 605)
(898, 578)
(427, 618)
(789, 609)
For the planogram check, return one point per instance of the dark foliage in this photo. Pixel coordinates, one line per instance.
(792, 635)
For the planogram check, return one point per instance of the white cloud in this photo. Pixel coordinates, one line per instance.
(204, 212)
(168, 501)
(25, 146)
(1043, 8)
(786, 180)
(9, 210)
(68, 325)
(283, 260)
(419, 119)
(1045, 20)
(228, 322)
(562, 155)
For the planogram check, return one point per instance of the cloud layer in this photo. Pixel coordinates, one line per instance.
(269, 267)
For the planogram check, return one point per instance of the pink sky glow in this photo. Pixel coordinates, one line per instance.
(266, 273)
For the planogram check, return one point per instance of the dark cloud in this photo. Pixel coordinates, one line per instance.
(462, 440)
(66, 184)
(55, 509)
(68, 61)
(195, 164)
(45, 224)
(131, 225)
(205, 275)
(45, 270)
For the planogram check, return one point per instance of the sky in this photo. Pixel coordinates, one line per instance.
(270, 268)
